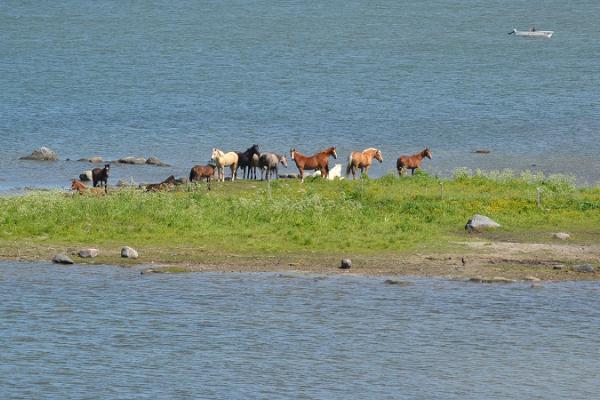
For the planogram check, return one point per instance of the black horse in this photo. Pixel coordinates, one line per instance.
(246, 162)
(100, 176)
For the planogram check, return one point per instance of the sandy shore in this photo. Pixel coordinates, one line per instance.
(476, 260)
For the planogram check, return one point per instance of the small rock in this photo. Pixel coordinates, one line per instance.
(42, 154)
(156, 161)
(86, 176)
(496, 279)
(62, 259)
(346, 263)
(583, 268)
(481, 151)
(94, 160)
(128, 252)
(124, 183)
(292, 176)
(561, 235)
(480, 222)
(182, 181)
(536, 285)
(559, 266)
(88, 253)
(150, 271)
(132, 160)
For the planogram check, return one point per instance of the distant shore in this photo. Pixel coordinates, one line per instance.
(387, 226)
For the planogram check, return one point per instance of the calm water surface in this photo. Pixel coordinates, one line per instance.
(107, 332)
(174, 80)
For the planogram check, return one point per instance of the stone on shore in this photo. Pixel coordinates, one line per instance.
(86, 176)
(88, 253)
(496, 279)
(128, 252)
(132, 160)
(42, 154)
(346, 263)
(583, 268)
(561, 235)
(62, 259)
(480, 222)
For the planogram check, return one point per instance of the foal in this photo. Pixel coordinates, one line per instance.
(100, 176)
(412, 162)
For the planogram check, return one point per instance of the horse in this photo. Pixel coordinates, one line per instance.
(168, 183)
(318, 161)
(225, 160)
(245, 160)
(362, 160)
(78, 186)
(199, 172)
(100, 176)
(412, 162)
(268, 163)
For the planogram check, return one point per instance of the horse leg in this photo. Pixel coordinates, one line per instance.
(301, 175)
(412, 171)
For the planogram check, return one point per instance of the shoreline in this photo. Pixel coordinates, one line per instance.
(484, 262)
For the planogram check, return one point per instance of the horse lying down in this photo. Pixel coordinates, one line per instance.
(167, 184)
(81, 188)
(335, 172)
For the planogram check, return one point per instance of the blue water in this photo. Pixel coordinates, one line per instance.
(89, 332)
(175, 79)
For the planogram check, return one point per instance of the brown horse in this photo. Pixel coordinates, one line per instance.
(412, 162)
(78, 186)
(199, 172)
(318, 161)
(100, 176)
(362, 160)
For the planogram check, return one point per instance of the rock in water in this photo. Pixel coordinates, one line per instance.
(583, 268)
(480, 222)
(42, 154)
(128, 252)
(132, 160)
(156, 161)
(86, 176)
(62, 259)
(561, 235)
(346, 263)
(88, 253)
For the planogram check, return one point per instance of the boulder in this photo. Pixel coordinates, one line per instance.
(583, 268)
(346, 263)
(132, 160)
(62, 259)
(86, 176)
(480, 222)
(88, 253)
(94, 160)
(156, 161)
(42, 154)
(128, 252)
(561, 235)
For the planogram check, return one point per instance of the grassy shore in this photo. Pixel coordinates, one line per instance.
(383, 223)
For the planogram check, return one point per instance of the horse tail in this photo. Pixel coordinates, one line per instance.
(349, 166)
(191, 174)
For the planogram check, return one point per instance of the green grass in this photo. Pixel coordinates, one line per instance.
(386, 215)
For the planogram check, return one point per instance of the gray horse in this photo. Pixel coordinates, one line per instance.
(269, 162)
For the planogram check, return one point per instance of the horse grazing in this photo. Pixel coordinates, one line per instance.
(225, 160)
(78, 186)
(318, 161)
(199, 172)
(269, 162)
(100, 176)
(245, 159)
(362, 160)
(412, 162)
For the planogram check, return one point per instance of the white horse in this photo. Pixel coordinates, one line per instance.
(225, 160)
(335, 172)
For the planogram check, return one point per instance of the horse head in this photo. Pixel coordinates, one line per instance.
(254, 150)
(215, 153)
(293, 153)
(106, 168)
(283, 160)
(427, 153)
(378, 156)
(332, 152)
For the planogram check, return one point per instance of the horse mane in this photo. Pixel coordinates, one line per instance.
(370, 149)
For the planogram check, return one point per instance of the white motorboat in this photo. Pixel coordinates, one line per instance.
(532, 33)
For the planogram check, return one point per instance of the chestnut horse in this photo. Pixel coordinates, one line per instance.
(318, 161)
(362, 160)
(199, 172)
(412, 162)
(225, 160)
